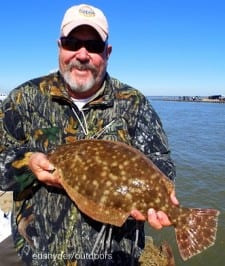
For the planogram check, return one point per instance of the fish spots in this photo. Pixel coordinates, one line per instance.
(113, 177)
(156, 188)
(95, 184)
(129, 197)
(145, 206)
(103, 199)
(157, 201)
(123, 174)
(124, 164)
(114, 163)
(84, 177)
(108, 184)
(85, 202)
(103, 173)
(106, 193)
(107, 212)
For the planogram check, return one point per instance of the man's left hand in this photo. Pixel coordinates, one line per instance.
(157, 219)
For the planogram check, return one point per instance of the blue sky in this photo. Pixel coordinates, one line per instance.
(161, 47)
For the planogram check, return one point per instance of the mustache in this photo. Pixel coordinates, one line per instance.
(80, 66)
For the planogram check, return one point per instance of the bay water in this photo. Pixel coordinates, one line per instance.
(196, 133)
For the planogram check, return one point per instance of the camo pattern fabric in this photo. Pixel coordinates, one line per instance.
(47, 227)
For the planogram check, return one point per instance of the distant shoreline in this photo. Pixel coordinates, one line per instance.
(196, 101)
(187, 99)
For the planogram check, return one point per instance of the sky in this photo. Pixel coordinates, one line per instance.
(160, 47)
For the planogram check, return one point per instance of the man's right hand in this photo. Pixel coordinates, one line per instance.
(43, 169)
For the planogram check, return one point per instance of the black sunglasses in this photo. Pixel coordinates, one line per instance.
(73, 44)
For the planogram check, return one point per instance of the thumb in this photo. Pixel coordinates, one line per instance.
(174, 198)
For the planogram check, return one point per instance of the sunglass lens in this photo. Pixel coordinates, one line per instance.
(94, 46)
(73, 44)
(70, 44)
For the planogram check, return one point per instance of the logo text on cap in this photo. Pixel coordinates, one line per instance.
(86, 11)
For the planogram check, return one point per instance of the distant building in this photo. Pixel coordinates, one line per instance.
(214, 97)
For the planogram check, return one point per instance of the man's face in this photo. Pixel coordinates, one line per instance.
(82, 69)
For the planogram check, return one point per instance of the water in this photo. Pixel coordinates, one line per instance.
(196, 133)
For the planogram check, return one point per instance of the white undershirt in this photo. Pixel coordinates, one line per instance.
(80, 103)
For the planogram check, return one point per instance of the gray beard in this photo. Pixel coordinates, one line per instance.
(74, 85)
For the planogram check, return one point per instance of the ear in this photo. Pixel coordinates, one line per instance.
(108, 51)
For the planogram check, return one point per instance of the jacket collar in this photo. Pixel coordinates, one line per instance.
(58, 90)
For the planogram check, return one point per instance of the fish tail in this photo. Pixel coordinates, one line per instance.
(196, 231)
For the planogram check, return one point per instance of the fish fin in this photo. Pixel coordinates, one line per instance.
(196, 231)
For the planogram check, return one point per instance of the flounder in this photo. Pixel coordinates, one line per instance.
(108, 179)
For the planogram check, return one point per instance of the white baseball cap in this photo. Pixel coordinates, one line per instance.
(84, 15)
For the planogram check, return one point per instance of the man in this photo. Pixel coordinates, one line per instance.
(79, 101)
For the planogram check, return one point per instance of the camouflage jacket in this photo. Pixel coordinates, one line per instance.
(47, 227)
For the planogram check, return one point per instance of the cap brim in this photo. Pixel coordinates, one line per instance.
(66, 30)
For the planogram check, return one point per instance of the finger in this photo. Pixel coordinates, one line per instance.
(163, 218)
(57, 176)
(174, 198)
(38, 162)
(45, 164)
(46, 176)
(49, 179)
(137, 215)
(153, 219)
